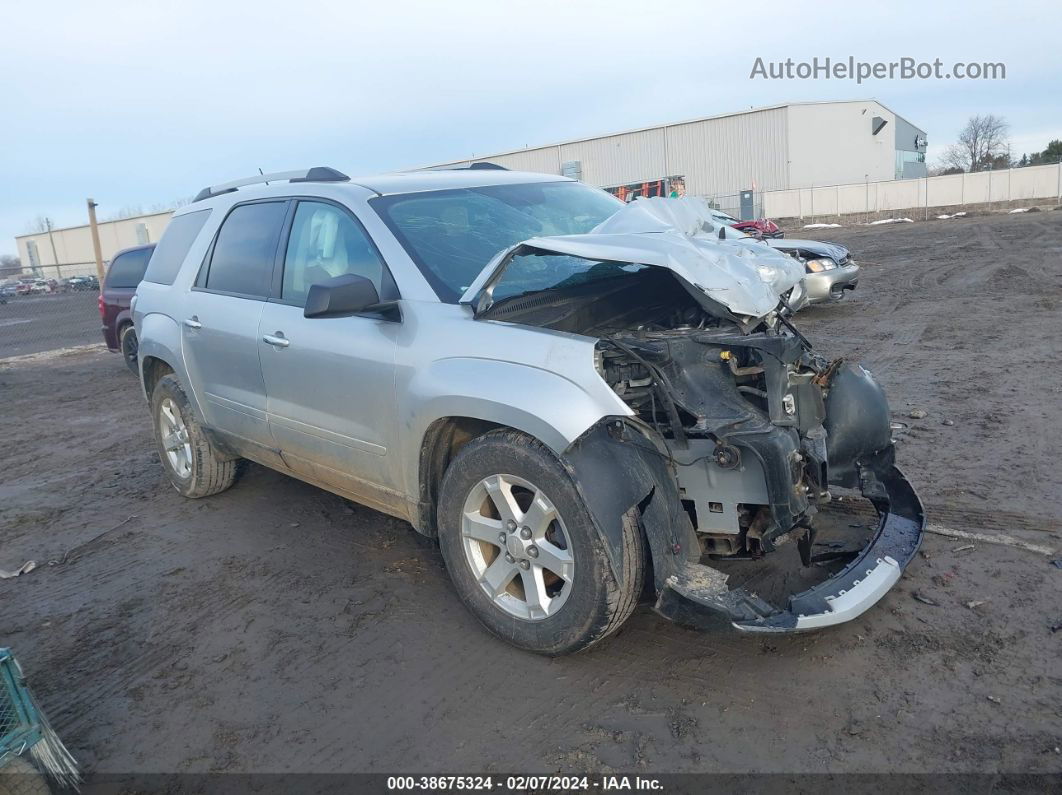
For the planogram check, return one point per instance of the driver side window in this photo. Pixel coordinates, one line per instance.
(326, 242)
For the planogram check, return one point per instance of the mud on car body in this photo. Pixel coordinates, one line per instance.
(583, 401)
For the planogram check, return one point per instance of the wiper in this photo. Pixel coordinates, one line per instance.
(784, 320)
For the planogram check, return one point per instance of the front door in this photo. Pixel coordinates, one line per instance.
(220, 326)
(330, 381)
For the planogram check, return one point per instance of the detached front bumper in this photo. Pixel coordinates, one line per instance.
(697, 595)
(830, 285)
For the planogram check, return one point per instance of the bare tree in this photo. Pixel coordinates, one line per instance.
(129, 211)
(39, 224)
(983, 143)
(9, 265)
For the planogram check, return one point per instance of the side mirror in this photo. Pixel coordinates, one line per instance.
(341, 295)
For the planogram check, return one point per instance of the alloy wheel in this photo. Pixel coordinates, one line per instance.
(175, 440)
(517, 546)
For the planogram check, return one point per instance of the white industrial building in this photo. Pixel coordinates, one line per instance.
(731, 158)
(795, 145)
(68, 251)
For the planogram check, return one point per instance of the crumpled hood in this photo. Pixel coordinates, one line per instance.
(739, 272)
(817, 248)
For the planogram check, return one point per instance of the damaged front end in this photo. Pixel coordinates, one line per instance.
(753, 431)
(737, 430)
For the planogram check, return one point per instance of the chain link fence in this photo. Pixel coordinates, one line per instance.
(48, 307)
(745, 206)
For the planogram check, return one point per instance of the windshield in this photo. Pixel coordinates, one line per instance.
(452, 234)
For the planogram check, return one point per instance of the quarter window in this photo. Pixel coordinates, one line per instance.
(326, 242)
(242, 261)
(176, 241)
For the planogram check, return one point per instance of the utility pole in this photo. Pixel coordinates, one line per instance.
(96, 241)
(55, 257)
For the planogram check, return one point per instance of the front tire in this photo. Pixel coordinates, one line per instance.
(195, 467)
(523, 552)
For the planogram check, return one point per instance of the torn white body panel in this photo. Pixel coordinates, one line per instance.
(737, 271)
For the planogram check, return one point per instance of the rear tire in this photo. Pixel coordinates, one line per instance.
(195, 467)
(515, 586)
(19, 777)
(129, 346)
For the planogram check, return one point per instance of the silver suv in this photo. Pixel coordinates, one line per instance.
(585, 402)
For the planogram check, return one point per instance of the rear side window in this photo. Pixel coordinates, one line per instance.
(173, 248)
(242, 261)
(127, 270)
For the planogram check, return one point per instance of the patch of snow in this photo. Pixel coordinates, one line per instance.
(1019, 210)
(891, 221)
(56, 353)
(821, 226)
(953, 215)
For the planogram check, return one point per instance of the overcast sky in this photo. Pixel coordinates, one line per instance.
(143, 103)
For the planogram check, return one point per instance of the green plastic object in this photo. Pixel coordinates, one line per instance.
(20, 726)
(24, 729)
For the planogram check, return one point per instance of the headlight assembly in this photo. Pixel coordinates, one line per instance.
(820, 264)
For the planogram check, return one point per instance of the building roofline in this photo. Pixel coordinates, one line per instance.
(665, 125)
(98, 223)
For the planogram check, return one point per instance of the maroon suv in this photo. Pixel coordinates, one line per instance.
(124, 274)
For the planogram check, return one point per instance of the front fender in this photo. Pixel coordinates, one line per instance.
(552, 408)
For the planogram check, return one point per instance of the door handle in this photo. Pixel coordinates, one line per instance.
(276, 341)
(193, 322)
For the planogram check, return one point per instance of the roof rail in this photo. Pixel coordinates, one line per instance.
(479, 165)
(315, 174)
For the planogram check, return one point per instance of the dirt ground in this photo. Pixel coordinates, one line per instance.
(276, 627)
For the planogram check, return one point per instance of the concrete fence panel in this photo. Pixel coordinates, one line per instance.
(899, 194)
(984, 187)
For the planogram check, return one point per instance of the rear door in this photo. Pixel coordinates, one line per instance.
(330, 381)
(220, 331)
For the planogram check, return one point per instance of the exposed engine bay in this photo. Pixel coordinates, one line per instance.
(743, 414)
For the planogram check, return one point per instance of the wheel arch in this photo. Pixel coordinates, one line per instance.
(455, 400)
(152, 370)
(445, 436)
(443, 439)
(122, 319)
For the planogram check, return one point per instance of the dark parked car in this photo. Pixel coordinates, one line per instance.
(126, 270)
(82, 283)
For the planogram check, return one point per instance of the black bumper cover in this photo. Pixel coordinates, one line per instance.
(691, 599)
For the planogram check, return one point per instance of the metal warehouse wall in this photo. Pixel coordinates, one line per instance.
(731, 153)
(832, 143)
(74, 244)
(721, 155)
